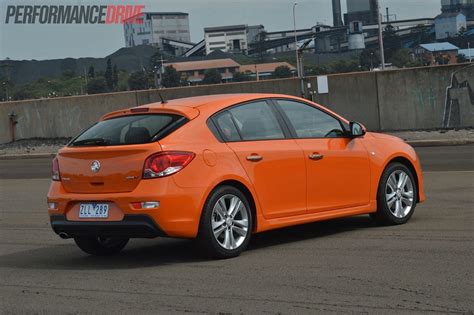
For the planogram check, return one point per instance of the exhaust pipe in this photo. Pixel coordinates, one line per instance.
(64, 235)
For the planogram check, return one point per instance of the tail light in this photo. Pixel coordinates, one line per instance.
(166, 163)
(55, 170)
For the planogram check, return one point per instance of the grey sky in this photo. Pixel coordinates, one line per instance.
(59, 41)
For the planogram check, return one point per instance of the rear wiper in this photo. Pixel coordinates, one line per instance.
(91, 141)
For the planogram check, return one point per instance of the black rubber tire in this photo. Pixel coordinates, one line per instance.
(206, 240)
(384, 216)
(93, 246)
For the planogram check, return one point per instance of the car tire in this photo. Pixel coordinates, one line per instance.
(100, 246)
(397, 195)
(226, 223)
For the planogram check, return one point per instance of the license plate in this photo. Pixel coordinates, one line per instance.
(93, 210)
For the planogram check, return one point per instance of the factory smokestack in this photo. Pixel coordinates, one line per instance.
(336, 13)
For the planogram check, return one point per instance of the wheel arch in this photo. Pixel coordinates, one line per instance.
(245, 190)
(409, 164)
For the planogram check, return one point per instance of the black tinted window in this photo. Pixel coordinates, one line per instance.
(256, 121)
(132, 129)
(310, 122)
(227, 127)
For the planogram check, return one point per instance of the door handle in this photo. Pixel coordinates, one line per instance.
(316, 156)
(254, 158)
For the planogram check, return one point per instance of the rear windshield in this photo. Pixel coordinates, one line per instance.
(133, 129)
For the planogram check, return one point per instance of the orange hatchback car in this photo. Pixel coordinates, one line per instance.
(220, 168)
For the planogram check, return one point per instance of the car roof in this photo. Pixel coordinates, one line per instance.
(215, 102)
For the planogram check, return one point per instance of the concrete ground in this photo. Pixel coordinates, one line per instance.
(346, 265)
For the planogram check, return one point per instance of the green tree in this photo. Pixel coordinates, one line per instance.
(212, 76)
(404, 58)
(109, 75)
(115, 77)
(241, 77)
(282, 72)
(461, 39)
(91, 72)
(69, 74)
(170, 77)
(96, 85)
(345, 66)
(421, 35)
(391, 40)
(369, 59)
(138, 81)
(155, 60)
(461, 59)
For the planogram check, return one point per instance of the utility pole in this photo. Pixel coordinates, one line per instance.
(388, 15)
(469, 51)
(382, 53)
(296, 41)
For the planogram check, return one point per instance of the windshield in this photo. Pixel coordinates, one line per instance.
(133, 129)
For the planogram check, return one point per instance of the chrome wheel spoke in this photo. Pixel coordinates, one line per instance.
(392, 182)
(227, 239)
(235, 205)
(220, 210)
(241, 223)
(218, 231)
(241, 231)
(398, 209)
(402, 180)
(217, 224)
(407, 194)
(407, 201)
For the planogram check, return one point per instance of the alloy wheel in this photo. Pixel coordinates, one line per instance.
(399, 194)
(230, 222)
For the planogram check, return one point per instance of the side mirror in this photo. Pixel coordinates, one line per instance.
(357, 129)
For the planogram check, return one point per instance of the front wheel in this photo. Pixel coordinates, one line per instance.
(226, 223)
(397, 195)
(101, 246)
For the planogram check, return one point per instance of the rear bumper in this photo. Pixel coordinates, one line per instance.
(132, 226)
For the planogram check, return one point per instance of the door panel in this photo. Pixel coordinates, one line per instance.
(338, 171)
(279, 178)
(339, 177)
(275, 165)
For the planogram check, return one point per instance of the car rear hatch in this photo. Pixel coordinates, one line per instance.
(103, 169)
(109, 156)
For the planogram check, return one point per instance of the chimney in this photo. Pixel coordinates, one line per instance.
(336, 13)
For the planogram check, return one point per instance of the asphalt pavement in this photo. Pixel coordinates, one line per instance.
(345, 266)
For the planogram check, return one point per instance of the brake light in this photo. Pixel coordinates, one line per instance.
(166, 163)
(55, 170)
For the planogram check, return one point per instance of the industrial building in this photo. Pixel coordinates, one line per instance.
(364, 11)
(437, 53)
(159, 29)
(232, 38)
(449, 24)
(465, 7)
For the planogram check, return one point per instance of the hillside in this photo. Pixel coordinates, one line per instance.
(26, 71)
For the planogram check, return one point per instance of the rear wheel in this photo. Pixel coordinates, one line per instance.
(101, 246)
(226, 223)
(397, 195)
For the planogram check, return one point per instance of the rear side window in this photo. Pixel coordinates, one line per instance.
(227, 127)
(133, 129)
(248, 122)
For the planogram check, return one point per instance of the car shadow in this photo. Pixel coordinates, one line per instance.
(163, 251)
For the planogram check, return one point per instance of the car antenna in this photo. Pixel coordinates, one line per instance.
(163, 101)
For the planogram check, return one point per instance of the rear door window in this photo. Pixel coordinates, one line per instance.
(249, 122)
(133, 129)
